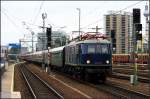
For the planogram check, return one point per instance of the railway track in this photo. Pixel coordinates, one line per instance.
(121, 91)
(118, 91)
(38, 87)
(127, 77)
(130, 66)
(20, 84)
(80, 87)
(100, 88)
(124, 72)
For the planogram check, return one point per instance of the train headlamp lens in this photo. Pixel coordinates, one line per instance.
(107, 61)
(88, 61)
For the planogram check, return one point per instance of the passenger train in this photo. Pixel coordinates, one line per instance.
(88, 59)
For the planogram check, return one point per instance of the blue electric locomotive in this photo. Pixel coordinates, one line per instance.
(89, 59)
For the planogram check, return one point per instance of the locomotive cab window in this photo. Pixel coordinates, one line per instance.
(91, 49)
(95, 48)
(104, 48)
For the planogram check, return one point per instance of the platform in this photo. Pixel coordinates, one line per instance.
(7, 83)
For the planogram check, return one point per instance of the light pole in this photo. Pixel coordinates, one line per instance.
(20, 45)
(149, 37)
(146, 14)
(32, 41)
(44, 16)
(79, 21)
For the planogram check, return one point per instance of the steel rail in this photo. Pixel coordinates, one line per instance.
(55, 92)
(35, 97)
(117, 95)
(45, 83)
(115, 90)
(127, 77)
(131, 92)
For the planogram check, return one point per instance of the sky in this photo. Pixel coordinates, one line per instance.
(59, 14)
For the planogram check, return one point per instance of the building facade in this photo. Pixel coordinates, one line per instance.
(121, 23)
(59, 38)
(24, 50)
(4, 52)
(41, 42)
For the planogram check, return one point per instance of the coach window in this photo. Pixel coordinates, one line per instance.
(83, 48)
(66, 52)
(70, 54)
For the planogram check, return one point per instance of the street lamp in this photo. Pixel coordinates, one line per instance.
(32, 41)
(146, 14)
(44, 16)
(79, 21)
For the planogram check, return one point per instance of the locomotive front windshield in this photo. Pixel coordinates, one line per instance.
(95, 48)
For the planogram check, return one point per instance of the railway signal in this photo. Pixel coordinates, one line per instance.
(48, 33)
(136, 15)
(138, 29)
(113, 40)
(137, 35)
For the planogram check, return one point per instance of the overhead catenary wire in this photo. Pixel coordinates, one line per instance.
(82, 27)
(117, 12)
(11, 18)
(17, 18)
(12, 21)
(38, 11)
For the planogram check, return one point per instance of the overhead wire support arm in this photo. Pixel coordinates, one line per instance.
(96, 28)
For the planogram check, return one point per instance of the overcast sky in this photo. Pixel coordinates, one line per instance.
(59, 14)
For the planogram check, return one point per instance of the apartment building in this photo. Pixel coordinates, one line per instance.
(121, 23)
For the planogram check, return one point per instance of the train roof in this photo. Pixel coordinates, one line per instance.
(57, 49)
(39, 52)
(72, 43)
(90, 41)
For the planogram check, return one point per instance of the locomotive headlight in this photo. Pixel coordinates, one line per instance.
(88, 61)
(107, 61)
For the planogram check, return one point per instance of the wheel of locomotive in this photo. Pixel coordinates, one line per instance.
(82, 73)
(103, 77)
(95, 78)
(88, 77)
(91, 77)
